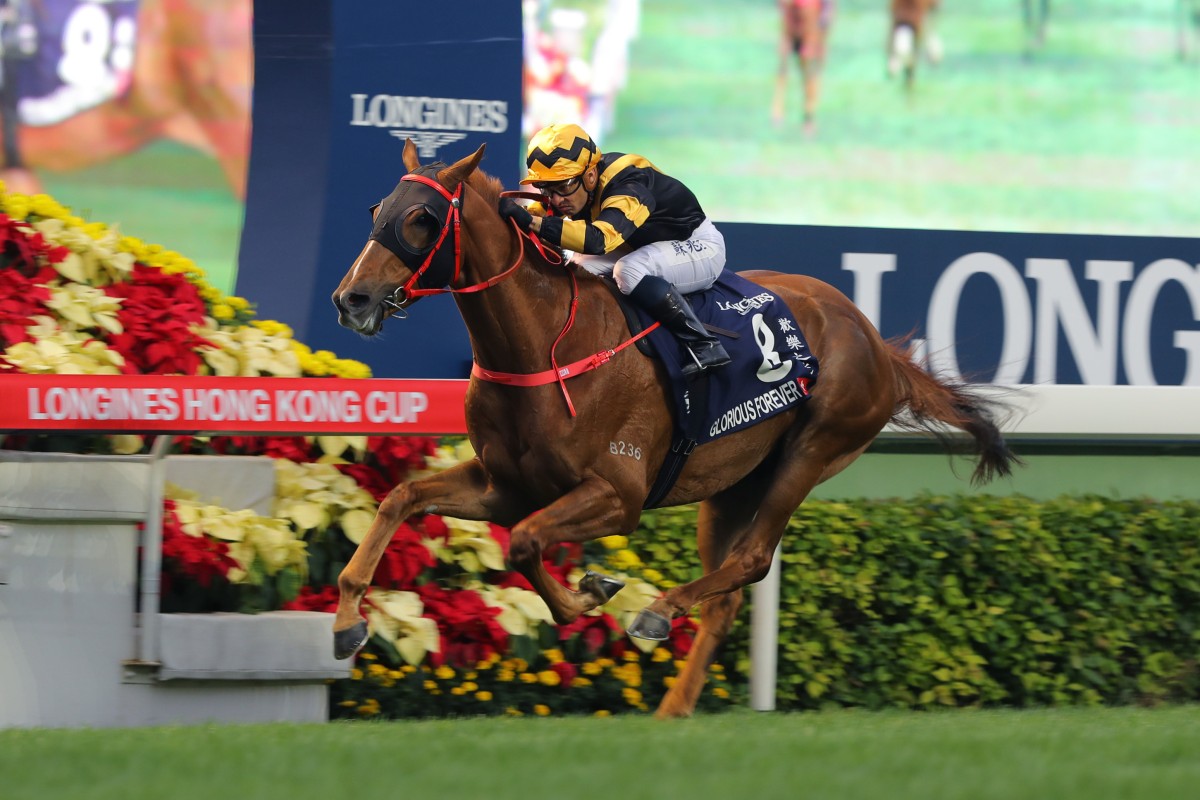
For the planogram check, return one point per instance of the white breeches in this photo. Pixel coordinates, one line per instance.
(691, 266)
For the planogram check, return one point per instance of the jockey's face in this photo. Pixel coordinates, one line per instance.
(568, 198)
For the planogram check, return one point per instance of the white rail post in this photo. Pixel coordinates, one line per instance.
(764, 638)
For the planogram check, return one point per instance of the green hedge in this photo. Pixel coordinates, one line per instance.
(973, 601)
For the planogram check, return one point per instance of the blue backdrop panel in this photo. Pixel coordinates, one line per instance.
(1007, 319)
(289, 158)
(334, 85)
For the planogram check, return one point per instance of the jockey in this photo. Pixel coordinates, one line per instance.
(621, 216)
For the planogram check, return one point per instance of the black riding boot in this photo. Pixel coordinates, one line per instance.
(664, 302)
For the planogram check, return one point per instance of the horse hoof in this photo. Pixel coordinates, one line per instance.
(348, 642)
(600, 585)
(650, 625)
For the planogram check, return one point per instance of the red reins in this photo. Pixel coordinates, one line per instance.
(555, 373)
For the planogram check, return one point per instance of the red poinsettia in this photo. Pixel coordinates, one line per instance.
(197, 558)
(593, 635)
(396, 456)
(682, 636)
(323, 599)
(469, 630)
(157, 312)
(404, 560)
(24, 249)
(22, 296)
(293, 448)
(369, 478)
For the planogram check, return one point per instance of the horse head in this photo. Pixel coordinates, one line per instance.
(415, 247)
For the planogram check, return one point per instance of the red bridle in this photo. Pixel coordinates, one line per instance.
(411, 290)
(555, 374)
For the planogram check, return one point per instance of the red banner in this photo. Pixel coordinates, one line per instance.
(179, 404)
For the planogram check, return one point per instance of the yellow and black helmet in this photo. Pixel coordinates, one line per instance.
(559, 152)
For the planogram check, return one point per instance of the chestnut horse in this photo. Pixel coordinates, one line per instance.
(110, 79)
(910, 34)
(805, 32)
(552, 476)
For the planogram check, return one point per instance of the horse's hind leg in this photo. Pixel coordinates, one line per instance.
(461, 491)
(803, 466)
(720, 521)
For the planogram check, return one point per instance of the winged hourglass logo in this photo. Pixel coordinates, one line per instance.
(428, 142)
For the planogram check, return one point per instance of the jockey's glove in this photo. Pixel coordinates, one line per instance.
(511, 209)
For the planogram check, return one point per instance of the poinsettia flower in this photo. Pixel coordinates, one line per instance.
(52, 350)
(324, 599)
(198, 558)
(369, 478)
(250, 537)
(89, 259)
(594, 630)
(23, 248)
(471, 546)
(337, 446)
(400, 618)
(86, 307)
(247, 352)
(21, 298)
(314, 496)
(404, 560)
(468, 627)
(522, 611)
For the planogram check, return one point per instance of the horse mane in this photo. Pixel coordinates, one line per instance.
(487, 186)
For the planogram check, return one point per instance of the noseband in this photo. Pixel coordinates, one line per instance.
(435, 272)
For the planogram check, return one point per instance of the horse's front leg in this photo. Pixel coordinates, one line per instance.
(591, 510)
(461, 491)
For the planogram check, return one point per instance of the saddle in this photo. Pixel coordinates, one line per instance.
(771, 372)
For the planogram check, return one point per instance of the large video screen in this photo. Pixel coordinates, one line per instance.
(135, 113)
(1017, 115)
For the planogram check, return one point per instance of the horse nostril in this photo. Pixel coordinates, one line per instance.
(353, 301)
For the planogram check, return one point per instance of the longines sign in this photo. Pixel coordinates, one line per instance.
(1042, 298)
(429, 121)
(1009, 308)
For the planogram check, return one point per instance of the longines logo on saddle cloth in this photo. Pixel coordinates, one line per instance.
(772, 368)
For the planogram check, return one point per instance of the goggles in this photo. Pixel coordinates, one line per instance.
(559, 188)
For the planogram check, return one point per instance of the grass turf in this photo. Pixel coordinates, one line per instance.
(1067, 754)
(1095, 133)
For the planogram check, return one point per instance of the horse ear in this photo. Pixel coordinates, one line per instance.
(457, 172)
(410, 156)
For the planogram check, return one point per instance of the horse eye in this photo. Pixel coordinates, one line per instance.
(419, 228)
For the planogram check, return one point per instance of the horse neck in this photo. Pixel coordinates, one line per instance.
(514, 323)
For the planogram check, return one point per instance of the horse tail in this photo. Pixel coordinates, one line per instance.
(928, 404)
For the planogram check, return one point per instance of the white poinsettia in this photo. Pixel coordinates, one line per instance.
(314, 495)
(446, 456)
(247, 351)
(396, 616)
(471, 546)
(85, 307)
(62, 352)
(249, 536)
(334, 447)
(521, 611)
(274, 543)
(95, 260)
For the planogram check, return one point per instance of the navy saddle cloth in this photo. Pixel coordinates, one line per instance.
(772, 370)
